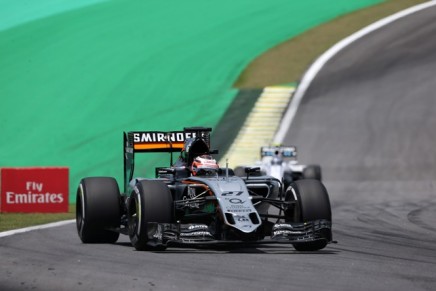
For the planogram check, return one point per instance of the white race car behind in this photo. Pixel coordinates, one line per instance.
(281, 162)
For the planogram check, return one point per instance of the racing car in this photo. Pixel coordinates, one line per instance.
(193, 201)
(281, 162)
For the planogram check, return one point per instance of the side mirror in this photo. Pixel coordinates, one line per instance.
(250, 170)
(161, 171)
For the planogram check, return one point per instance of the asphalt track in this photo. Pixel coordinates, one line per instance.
(369, 119)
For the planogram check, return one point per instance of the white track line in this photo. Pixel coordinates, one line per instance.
(27, 229)
(324, 58)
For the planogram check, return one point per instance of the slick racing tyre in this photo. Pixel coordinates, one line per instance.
(151, 201)
(98, 210)
(312, 172)
(312, 204)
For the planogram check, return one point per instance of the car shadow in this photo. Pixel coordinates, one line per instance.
(236, 249)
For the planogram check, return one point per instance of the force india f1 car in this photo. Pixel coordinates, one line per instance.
(201, 206)
(281, 162)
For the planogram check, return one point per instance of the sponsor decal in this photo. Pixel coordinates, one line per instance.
(34, 189)
(243, 210)
(287, 232)
(197, 227)
(154, 140)
(241, 218)
(196, 234)
(282, 226)
(157, 137)
(240, 207)
(236, 201)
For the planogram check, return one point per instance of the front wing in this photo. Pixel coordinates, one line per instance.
(168, 234)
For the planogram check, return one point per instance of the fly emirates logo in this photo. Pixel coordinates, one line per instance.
(34, 194)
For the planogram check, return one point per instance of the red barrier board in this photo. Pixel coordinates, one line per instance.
(38, 189)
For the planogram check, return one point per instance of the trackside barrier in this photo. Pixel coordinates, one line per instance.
(34, 189)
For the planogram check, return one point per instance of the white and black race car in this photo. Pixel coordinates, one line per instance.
(281, 162)
(195, 202)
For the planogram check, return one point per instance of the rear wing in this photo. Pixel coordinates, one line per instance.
(279, 151)
(157, 142)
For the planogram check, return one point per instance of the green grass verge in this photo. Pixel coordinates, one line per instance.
(10, 221)
(287, 62)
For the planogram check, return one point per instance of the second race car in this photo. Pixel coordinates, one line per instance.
(281, 162)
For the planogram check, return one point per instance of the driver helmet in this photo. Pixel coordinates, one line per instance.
(204, 164)
(276, 161)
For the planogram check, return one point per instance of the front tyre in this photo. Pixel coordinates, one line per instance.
(151, 201)
(312, 172)
(98, 210)
(313, 203)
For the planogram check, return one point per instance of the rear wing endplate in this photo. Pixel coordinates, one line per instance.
(157, 142)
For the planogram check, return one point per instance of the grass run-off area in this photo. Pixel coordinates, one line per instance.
(10, 221)
(283, 64)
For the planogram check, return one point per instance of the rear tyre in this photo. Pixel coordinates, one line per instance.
(98, 210)
(312, 172)
(150, 202)
(313, 203)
